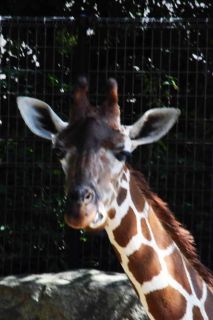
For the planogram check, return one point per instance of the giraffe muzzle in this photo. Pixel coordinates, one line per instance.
(83, 211)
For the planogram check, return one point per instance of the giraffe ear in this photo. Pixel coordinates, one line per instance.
(152, 126)
(39, 117)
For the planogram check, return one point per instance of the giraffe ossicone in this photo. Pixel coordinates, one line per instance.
(102, 191)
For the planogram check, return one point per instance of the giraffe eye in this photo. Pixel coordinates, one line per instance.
(123, 155)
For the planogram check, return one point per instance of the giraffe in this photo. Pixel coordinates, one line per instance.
(104, 192)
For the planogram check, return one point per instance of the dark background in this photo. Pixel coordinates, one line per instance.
(157, 62)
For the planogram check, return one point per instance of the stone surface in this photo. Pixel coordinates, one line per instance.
(76, 295)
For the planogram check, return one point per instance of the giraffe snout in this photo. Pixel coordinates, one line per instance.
(81, 207)
(81, 194)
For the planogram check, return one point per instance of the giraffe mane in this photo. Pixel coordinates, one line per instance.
(182, 237)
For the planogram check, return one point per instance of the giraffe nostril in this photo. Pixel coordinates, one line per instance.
(82, 194)
(88, 196)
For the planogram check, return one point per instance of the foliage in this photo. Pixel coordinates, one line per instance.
(114, 8)
(66, 42)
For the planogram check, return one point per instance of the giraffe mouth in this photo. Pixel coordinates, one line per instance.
(100, 218)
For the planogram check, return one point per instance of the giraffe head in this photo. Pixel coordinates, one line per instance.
(93, 148)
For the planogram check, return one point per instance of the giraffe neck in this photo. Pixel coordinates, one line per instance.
(167, 285)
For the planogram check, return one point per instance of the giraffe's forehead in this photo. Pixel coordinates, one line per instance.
(90, 134)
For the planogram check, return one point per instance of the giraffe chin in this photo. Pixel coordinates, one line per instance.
(90, 220)
(80, 222)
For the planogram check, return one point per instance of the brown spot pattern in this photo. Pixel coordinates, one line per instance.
(196, 280)
(121, 196)
(166, 303)
(144, 264)
(181, 236)
(162, 238)
(145, 230)
(209, 304)
(176, 269)
(111, 213)
(136, 195)
(196, 314)
(127, 229)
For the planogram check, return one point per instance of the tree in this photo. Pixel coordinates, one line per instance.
(114, 8)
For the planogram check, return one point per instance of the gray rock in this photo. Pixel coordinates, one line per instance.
(76, 295)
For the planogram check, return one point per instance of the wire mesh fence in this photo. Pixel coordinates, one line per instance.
(156, 63)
